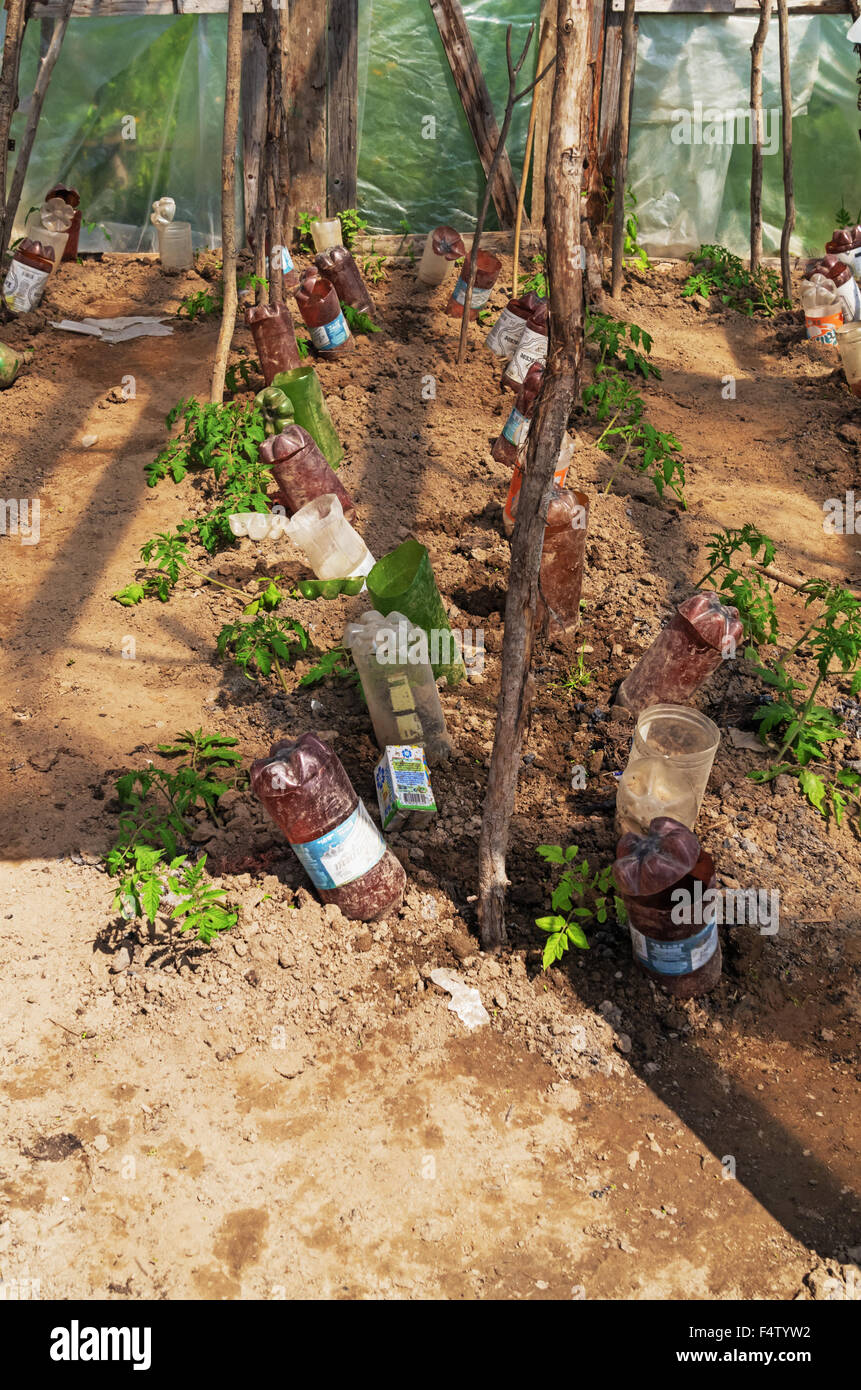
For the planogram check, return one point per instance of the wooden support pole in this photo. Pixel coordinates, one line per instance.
(16, 20)
(228, 197)
(50, 54)
(560, 388)
(756, 55)
(472, 89)
(626, 83)
(524, 176)
(786, 123)
(343, 106)
(276, 171)
(253, 107)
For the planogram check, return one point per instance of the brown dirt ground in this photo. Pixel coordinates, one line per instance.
(295, 1112)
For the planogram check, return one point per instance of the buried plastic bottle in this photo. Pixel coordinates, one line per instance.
(531, 348)
(339, 267)
(301, 471)
(823, 310)
(702, 633)
(321, 309)
(73, 198)
(843, 281)
(443, 245)
(403, 581)
(27, 275)
(302, 386)
(683, 957)
(487, 269)
(274, 338)
(507, 447)
(849, 344)
(326, 232)
(392, 658)
(560, 579)
(304, 788)
(505, 335)
(334, 550)
(560, 473)
(668, 767)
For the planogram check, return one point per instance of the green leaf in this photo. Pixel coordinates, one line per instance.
(552, 853)
(150, 897)
(130, 595)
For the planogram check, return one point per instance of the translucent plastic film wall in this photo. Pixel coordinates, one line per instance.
(417, 158)
(690, 141)
(134, 111)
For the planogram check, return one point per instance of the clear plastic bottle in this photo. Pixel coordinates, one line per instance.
(174, 246)
(443, 246)
(306, 791)
(560, 579)
(339, 267)
(320, 308)
(703, 633)
(516, 428)
(274, 338)
(27, 275)
(391, 655)
(488, 267)
(333, 549)
(823, 309)
(683, 957)
(849, 343)
(505, 335)
(531, 348)
(73, 198)
(326, 232)
(301, 472)
(843, 281)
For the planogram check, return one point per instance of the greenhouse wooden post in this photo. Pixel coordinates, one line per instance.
(43, 77)
(561, 385)
(228, 197)
(786, 121)
(629, 41)
(16, 20)
(756, 117)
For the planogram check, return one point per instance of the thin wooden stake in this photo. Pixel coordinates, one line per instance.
(756, 53)
(560, 388)
(527, 159)
(786, 121)
(228, 197)
(629, 50)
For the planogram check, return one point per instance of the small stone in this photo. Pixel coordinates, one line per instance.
(120, 983)
(633, 1159)
(88, 440)
(500, 999)
(100, 1143)
(623, 1042)
(827, 1035)
(241, 948)
(121, 961)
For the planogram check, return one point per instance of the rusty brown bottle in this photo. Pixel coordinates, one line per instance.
(487, 269)
(301, 471)
(561, 576)
(320, 308)
(274, 338)
(516, 428)
(339, 266)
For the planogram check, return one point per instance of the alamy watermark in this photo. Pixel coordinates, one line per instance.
(842, 517)
(21, 518)
(733, 125)
(752, 907)
(412, 646)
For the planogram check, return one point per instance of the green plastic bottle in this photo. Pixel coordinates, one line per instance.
(302, 386)
(403, 581)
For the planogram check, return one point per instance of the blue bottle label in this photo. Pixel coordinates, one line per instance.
(676, 957)
(329, 335)
(343, 854)
(479, 296)
(516, 428)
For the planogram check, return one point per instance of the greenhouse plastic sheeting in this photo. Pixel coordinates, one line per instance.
(417, 157)
(133, 112)
(693, 185)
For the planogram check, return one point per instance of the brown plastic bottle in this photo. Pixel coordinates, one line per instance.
(505, 335)
(531, 348)
(516, 428)
(702, 633)
(304, 788)
(683, 957)
(846, 241)
(73, 198)
(27, 275)
(321, 310)
(560, 578)
(339, 266)
(289, 273)
(487, 269)
(301, 471)
(274, 338)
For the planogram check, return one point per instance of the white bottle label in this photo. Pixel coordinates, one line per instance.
(850, 298)
(345, 853)
(532, 348)
(479, 296)
(23, 286)
(329, 335)
(505, 334)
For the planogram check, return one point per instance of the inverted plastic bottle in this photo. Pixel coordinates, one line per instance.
(73, 198)
(560, 579)
(683, 957)
(668, 767)
(516, 428)
(849, 343)
(274, 338)
(391, 655)
(823, 309)
(560, 473)
(504, 336)
(302, 472)
(332, 547)
(845, 244)
(27, 275)
(304, 788)
(320, 308)
(703, 633)
(403, 581)
(443, 246)
(531, 348)
(487, 269)
(326, 232)
(174, 246)
(844, 283)
(339, 267)
(302, 386)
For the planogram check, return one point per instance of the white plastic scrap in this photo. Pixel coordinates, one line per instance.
(465, 1001)
(118, 330)
(260, 526)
